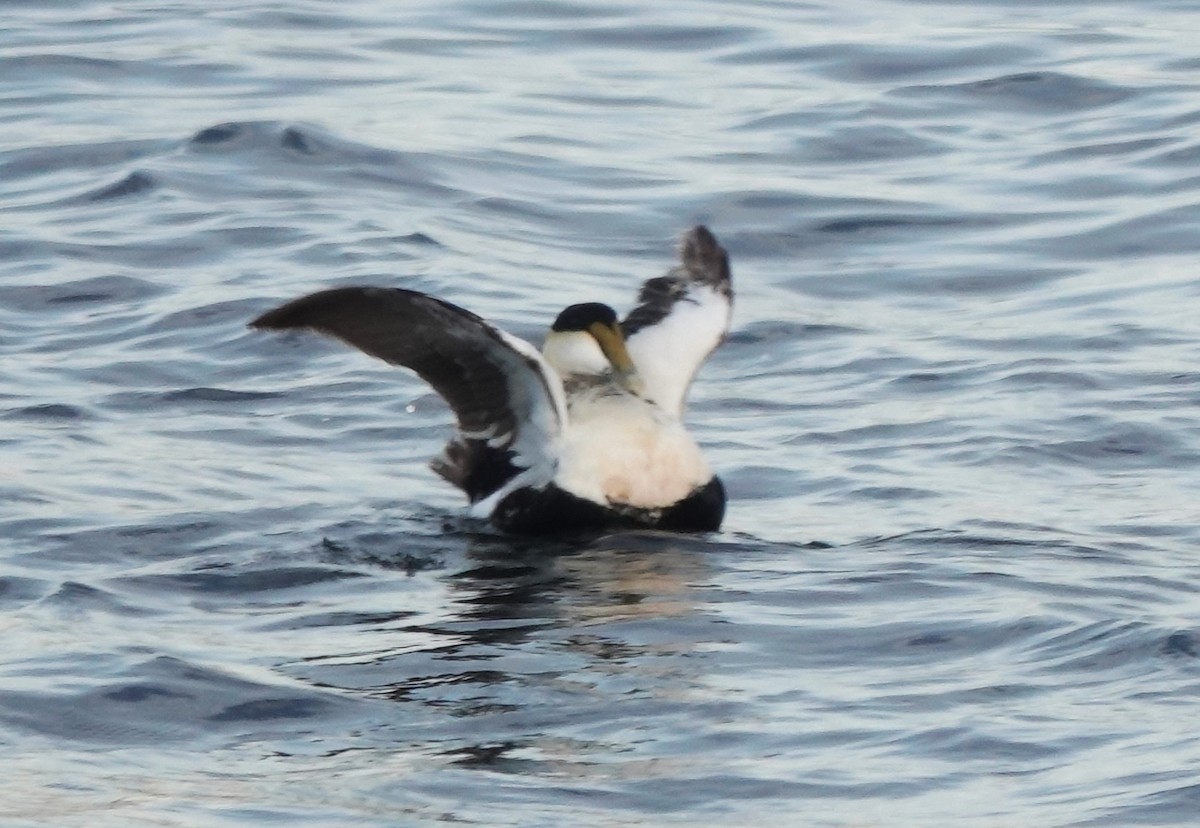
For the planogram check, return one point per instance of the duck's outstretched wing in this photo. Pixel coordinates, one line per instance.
(509, 403)
(680, 318)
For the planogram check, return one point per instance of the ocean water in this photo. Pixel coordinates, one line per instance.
(958, 415)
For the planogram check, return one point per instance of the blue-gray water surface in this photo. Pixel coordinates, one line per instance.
(959, 581)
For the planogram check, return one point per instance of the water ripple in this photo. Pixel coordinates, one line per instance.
(955, 415)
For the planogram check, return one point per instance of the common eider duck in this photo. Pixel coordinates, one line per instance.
(585, 435)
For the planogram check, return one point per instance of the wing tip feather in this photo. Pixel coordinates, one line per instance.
(703, 256)
(305, 311)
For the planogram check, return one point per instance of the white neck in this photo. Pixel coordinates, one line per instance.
(573, 353)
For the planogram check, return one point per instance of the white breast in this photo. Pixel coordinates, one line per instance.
(623, 450)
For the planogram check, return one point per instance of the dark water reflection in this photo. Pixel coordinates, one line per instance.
(554, 599)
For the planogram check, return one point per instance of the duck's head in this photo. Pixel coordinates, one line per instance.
(586, 340)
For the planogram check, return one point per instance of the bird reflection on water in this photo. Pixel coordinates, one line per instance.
(617, 614)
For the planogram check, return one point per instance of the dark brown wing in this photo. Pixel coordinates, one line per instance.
(500, 389)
